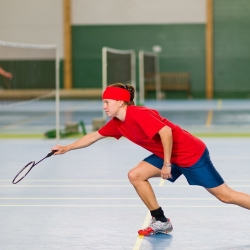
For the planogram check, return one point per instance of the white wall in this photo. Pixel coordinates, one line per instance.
(138, 11)
(41, 21)
(32, 21)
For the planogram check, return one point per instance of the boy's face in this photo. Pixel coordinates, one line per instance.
(111, 107)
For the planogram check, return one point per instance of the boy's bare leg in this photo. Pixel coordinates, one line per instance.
(138, 177)
(227, 195)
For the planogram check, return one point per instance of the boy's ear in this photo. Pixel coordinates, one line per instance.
(120, 103)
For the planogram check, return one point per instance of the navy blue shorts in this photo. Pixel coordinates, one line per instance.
(202, 173)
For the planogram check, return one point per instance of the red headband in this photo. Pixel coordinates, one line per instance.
(116, 93)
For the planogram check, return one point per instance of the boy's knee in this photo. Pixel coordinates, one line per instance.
(133, 176)
(224, 199)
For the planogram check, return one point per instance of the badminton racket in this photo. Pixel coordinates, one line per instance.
(27, 168)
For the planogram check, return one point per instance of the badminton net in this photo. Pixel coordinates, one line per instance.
(29, 88)
(149, 77)
(118, 66)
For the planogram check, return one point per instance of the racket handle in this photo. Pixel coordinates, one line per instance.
(51, 153)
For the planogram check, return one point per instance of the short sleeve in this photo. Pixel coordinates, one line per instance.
(110, 130)
(151, 122)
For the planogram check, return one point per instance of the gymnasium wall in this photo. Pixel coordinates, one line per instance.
(232, 48)
(32, 22)
(178, 26)
(184, 52)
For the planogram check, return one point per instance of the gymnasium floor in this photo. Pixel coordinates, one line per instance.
(83, 199)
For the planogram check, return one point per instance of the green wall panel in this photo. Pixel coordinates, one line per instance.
(232, 48)
(29, 74)
(183, 49)
(61, 72)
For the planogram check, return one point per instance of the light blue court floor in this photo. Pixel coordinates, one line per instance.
(83, 200)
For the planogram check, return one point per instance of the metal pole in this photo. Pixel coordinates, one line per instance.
(141, 76)
(57, 96)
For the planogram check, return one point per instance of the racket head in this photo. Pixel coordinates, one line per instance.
(23, 172)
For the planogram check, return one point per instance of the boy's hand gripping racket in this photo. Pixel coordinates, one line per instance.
(25, 170)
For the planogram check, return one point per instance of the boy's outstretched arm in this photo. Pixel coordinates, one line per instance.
(84, 142)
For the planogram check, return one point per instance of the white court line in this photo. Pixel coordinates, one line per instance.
(98, 198)
(162, 182)
(209, 118)
(145, 223)
(55, 186)
(94, 205)
(103, 186)
(231, 157)
(101, 180)
(87, 180)
(140, 237)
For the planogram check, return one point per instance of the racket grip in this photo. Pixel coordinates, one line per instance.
(51, 153)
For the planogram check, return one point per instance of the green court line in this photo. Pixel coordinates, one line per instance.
(22, 136)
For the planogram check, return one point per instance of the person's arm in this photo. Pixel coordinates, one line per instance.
(167, 142)
(5, 73)
(85, 141)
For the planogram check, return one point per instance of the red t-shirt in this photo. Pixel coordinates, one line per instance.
(141, 126)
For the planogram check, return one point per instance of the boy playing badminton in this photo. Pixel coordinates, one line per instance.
(174, 152)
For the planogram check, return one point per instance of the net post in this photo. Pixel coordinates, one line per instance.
(104, 74)
(105, 51)
(29, 89)
(157, 77)
(157, 80)
(141, 78)
(57, 96)
(133, 73)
